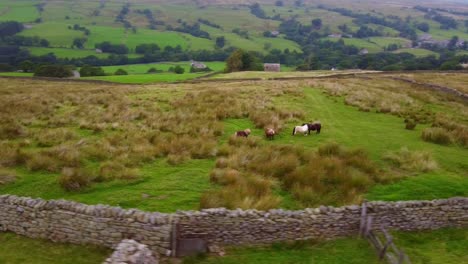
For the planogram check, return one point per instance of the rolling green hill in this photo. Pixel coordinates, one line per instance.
(51, 20)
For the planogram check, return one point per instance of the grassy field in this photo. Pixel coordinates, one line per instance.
(66, 53)
(163, 66)
(337, 251)
(21, 11)
(452, 80)
(20, 250)
(138, 73)
(16, 74)
(285, 73)
(177, 177)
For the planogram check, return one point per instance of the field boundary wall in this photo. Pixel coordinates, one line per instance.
(66, 221)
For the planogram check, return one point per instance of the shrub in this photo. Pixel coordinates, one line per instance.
(416, 161)
(38, 161)
(87, 70)
(74, 179)
(120, 72)
(410, 124)
(58, 71)
(153, 70)
(437, 135)
(111, 170)
(179, 70)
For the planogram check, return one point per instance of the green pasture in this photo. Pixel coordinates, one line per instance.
(16, 74)
(418, 52)
(21, 11)
(164, 66)
(255, 42)
(359, 43)
(446, 246)
(21, 250)
(118, 35)
(345, 250)
(168, 188)
(56, 33)
(66, 53)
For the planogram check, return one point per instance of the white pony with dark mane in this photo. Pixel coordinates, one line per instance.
(304, 129)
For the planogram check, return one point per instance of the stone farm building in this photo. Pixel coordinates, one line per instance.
(197, 65)
(272, 67)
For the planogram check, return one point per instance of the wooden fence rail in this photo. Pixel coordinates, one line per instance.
(381, 240)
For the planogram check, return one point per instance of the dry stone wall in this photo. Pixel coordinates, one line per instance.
(253, 227)
(66, 221)
(77, 223)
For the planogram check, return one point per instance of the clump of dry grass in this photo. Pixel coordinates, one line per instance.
(111, 170)
(74, 179)
(52, 137)
(11, 154)
(437, 135)
(7, 176)
(410, 124)
(413, 161)
(250, 174)
(447, 131)
(11, 129)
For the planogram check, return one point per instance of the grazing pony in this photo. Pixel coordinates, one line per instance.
(301, 129)
(315, 126)
(270, 133)
(243, 133)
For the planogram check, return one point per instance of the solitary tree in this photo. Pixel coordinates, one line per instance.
(234, 62)
(317, 23)
(27, 66)
(220, 42)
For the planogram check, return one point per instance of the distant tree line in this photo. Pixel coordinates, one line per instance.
(193, 30)
(108, 47)
(445, 22)
(77, 27)
(209, 23)
(153, 23)
(10, 28)
(406, 31)
(25, 41)
(256, 10)
(241, 32)
(121, 17)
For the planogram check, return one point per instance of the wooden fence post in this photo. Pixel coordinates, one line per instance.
(363, 219)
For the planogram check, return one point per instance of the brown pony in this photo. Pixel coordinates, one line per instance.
(315, 126)
(270, 133)
(243, 133)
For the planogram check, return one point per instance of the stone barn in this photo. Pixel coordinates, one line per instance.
(272, 67)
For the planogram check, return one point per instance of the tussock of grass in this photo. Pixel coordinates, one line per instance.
(74, 179)
(52, 137)
(7, 176)
(111, 170)
(437, 135)
(413, 161)
(252, 173)
(446, 131)
(11, 129)
(10, 154)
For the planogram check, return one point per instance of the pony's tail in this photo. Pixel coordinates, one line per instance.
(294, 131)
